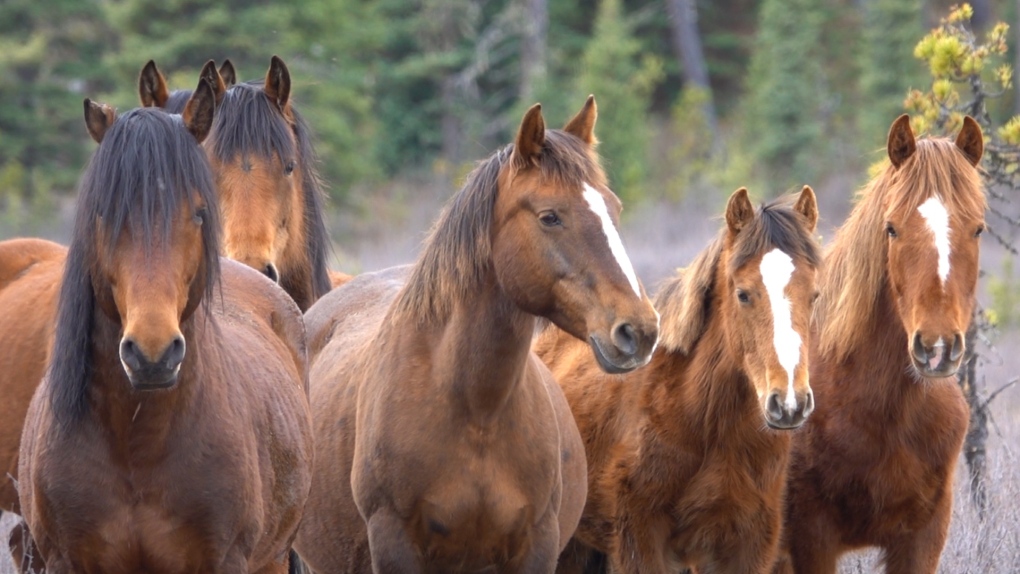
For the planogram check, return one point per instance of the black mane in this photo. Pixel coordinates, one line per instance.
(146, 168)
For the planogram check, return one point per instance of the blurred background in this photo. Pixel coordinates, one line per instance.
(696, 98)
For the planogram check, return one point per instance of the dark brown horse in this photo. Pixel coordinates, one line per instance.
(171, 432)
(269, 190)
(443, 444)
(874, 465)
(684, 468)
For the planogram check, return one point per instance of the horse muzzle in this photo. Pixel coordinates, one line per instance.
(937, 360)
(145, 374)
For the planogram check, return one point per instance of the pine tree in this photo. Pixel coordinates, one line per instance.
(888, 70)
(786, 90)
(622, 85)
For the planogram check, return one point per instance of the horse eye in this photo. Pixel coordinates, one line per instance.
(980, 230)
(199, 217)
(743, 296)
(814, 297)
(549, 219)
(289, 168)
(889, 229)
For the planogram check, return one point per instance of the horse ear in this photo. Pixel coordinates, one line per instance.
(98, 119)
(228, 73)
(152, 90)
(739, 211)
(807, 205)
(277, 85)
(530, 137)
(901, 144)
(970, 140)
(198, 112)
(583, 124)
(211, 75)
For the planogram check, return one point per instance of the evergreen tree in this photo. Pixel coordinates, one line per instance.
(786, 90)
(49, 62)
(888, 70)
(622, 83)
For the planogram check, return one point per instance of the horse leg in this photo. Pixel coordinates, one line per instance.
(391, 547)
(638, 549)
(579, 558)
(544, 550)
(919, 552)
(813, 547)
(23, 552)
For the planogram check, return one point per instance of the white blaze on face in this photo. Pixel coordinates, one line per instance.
(597, 203)
(776, 271)
(937, 218)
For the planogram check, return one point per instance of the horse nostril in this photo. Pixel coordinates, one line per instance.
(174, 353)
(809, 404)
(917, 349)
(129, 353)
(625, 339)
(957, 350)
(271, 272)
(774, 406)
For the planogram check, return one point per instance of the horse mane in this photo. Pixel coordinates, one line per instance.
(854, 273)
(685, 300)
(147, 165)
(248, 122)
(177, 100)
(457, 255)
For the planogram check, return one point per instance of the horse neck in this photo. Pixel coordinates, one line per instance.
(705, 392)
(479, 351)
(136, 421)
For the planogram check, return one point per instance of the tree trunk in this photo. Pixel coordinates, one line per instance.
(974, 446)
(683, 20)
(533, 48)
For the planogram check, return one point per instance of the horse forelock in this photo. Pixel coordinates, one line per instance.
(684, 302)
(855, 268)
(457, 254)
(147, 167)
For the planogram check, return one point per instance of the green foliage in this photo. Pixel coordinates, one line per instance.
(622, 81)
(890, 30)
(1004, 289)
(49, 61)
(786, 91)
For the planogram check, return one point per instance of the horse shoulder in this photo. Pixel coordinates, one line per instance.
(18, 255)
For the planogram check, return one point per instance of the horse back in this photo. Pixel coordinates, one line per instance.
(30, 274)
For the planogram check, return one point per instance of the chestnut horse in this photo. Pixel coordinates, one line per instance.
(684, 467)
(874, 465)
(442, 443)
(172, 431)
(269, 190)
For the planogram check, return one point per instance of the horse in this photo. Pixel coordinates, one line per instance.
(442, 443)
(172, 431)
(269, 189)
(687, 456)
(874, 465)
(30, 272)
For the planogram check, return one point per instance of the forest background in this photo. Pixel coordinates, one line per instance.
(696, 98)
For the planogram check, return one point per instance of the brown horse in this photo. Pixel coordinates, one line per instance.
(874, 465)
(171, 432)
(683, 467)
(30, 271)
(269, 190)
(443, 444)
(153, 91)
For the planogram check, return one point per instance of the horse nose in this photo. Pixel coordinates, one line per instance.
(625, 339)
(781, 415)
(271, 272)
(147, 373)
(936, 358)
